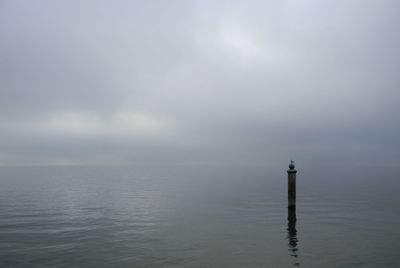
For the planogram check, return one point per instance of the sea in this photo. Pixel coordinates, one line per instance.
(177, 216)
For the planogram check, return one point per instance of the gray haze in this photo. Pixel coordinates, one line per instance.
(199, 82)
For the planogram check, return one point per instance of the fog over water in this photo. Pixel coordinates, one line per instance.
(199, 83)
(159, 133)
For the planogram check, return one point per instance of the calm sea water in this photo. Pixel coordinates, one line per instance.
(129, 217)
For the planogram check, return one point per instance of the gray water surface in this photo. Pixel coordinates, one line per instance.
(124, 217)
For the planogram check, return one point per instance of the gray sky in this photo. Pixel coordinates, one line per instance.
(199, 82)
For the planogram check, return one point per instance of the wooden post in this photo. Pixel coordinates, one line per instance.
(292, 185)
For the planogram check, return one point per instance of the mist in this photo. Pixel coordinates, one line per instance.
(199, 83)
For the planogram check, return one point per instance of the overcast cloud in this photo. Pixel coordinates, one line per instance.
(199, 82)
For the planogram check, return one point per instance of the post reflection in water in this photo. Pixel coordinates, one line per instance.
(292, 235)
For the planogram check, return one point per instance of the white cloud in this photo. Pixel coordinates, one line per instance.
(120, 124)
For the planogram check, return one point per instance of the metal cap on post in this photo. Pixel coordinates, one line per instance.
(292, 185)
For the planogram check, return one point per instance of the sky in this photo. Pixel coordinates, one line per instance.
(199, 82)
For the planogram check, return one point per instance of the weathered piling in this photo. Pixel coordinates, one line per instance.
(292, 185)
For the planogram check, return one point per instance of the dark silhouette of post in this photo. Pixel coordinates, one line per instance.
(291, 224)
(292, 185)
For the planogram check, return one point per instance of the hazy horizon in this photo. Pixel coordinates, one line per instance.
(199, 83)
